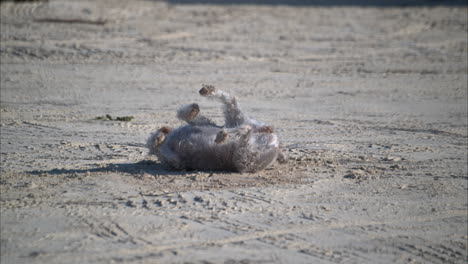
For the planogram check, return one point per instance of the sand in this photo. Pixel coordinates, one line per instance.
(369, 101)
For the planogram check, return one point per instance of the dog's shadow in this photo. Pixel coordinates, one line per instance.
(138, 168)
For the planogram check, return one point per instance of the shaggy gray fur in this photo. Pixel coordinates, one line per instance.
(243, 144)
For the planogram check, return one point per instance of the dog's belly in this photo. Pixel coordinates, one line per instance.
(208, 156)
(197, 149)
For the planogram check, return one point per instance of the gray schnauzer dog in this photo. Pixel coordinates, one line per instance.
(242, 145)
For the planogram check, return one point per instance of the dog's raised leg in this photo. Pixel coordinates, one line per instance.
(232, 113)
(191, 114)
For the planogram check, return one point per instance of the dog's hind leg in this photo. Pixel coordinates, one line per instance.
(232, 113)
(191, 114)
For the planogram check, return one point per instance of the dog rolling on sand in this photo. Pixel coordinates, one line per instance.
(243, 144)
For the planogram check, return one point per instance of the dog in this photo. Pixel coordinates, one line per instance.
(242, 145)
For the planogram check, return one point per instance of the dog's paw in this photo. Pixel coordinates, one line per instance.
(188, 112)
(194, 109)
(207, 90)
(221, 136)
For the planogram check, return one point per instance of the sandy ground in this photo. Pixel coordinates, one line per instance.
(370, 102)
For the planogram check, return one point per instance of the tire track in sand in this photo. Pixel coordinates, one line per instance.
(302, 229)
